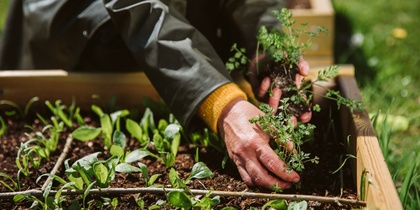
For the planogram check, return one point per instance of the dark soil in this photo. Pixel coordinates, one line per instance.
(317, 179)
(284, 77)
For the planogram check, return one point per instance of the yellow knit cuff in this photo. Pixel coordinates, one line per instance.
(212, 107)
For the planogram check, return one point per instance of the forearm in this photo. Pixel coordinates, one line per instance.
(178, 60)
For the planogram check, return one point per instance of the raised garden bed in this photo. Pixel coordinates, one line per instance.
(320, 187)
(317, 13)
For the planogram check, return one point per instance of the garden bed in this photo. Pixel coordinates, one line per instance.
(317, 13)
(320, 187)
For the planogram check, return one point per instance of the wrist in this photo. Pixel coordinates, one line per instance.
(215, 104)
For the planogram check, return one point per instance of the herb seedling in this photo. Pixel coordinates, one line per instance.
(282, 50)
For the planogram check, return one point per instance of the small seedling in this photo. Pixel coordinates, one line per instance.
(182, 198)
(66, 114)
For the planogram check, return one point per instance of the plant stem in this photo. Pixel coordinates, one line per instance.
(57, 166)
(242, 194)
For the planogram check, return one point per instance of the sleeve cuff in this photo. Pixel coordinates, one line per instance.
(210, 110)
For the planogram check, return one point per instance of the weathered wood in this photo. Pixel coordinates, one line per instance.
(321, 14)
(86, 88)
(381, 192)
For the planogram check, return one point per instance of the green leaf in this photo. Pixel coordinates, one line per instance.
(171, 131)
(179, 199)
(19, 197)
(119, 114)
(173, 135)
(107, 129)
(162, 124)
(126, 168)
(87, 161)
(119, 139)
(101, 174)
(276, 204)
(85, 133)
(97, 110)
(116, 150)
(158, 142)
(302, 205)
(152, 179)
(134, 129)
(77, 180)
(138, 154)
(174, 178)
(147, 122)
(200, 171)
(169, 159)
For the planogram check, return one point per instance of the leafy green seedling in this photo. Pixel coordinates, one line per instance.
(15, 184)
(182, 200)
(275, 204)
(166, 140)
(136, 131)
(17, 110)
(145, 174)
(3, 127)
(199, 171)
(64, 113)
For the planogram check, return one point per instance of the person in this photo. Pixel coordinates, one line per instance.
(181, 46)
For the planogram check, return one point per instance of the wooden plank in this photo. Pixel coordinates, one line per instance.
(93, 88)
(86, 88)
(381, 192)
(321, 14)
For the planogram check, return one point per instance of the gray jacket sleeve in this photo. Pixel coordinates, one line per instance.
(178, 60)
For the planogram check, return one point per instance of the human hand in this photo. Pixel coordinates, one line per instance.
(249, 149)
(261, 87)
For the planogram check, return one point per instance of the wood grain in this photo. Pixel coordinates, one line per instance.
(381, 192)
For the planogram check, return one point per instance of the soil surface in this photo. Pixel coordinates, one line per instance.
(317, 179)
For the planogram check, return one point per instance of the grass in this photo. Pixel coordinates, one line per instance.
(4, 4)
(381, 39)
(384, 48)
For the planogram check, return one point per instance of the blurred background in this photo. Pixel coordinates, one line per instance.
(381, 38)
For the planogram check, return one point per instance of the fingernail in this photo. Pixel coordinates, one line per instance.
(266, 80)
(304, 69)
(296, 180)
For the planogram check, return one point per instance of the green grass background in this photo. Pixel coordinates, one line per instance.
(386, 53)
(381, 38)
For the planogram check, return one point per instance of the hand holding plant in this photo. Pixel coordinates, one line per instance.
(275, 74)
(248, 147)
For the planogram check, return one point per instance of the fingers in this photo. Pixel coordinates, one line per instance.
(303, 67)
(263, 88)
(264, 168)
(254, 173)
(305, 117)
(273, 163)
(274, 100)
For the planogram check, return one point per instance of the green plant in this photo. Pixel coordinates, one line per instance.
(409, 181)
(15, 184)
(385, 131)
(67, 114)
(3, 127)
(282, 50)
(182, 198)
(16, 109)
